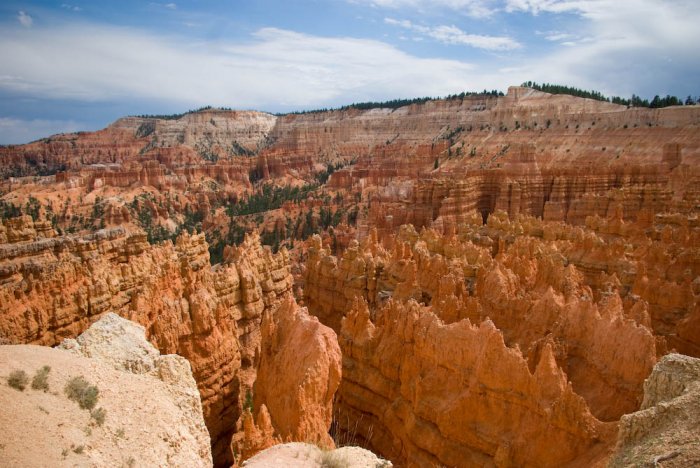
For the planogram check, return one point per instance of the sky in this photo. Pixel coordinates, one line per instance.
(81, 65)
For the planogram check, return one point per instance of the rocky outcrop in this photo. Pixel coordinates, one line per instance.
(200, 137)
(224, 132)
(436, 394)
(298, 374)
(55, 288)
(548, 290)
(302, 455)
(664, 430)
(152, 412)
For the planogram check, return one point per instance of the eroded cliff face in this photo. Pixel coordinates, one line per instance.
(549, 238)
(297, 377)
(54, 288)
(434, 394)
(298, 374)
(550, 291)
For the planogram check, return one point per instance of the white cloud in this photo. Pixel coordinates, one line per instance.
(276, 69)
(454, 35)
(169, 6)
(71, 7)
(641, 46)
(473, 8)
(25, 20)
(557, 36)
(17, 131)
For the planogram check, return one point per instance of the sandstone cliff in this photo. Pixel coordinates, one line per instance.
(152, 412)
(298, 374)
(552, 293)
(54, 288)
(559, 233)
(436, 394)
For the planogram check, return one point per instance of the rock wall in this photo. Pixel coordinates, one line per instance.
(429, 394)
(55, 288)
(543, 287)
(297, 377)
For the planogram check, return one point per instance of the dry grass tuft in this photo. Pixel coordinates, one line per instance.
(79, 390)
(18, 380)
(41, 379)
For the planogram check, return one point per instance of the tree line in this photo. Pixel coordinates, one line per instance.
(657, 101)
(396, 103)
(179, 116)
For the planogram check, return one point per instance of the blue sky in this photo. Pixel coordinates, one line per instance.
(79, 65)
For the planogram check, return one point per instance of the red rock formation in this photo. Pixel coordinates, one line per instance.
(298, 374)
(588, 296)
(527, 291)
(256, 435)
(436, 394)
(54, 288)
(297, 377)
(568, 225)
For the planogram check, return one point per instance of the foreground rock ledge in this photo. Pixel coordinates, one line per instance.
(302, 455)
(153, 411)
(665, 430)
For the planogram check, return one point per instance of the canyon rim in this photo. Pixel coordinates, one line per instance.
(469, 281)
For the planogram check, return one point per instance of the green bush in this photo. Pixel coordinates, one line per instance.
(79, 390)
(18, 380)
(41, 379)
(248, 403)
(99, 415)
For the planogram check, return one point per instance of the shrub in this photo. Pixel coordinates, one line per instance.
(79, 390)
(333, 459)
(18, 380)
(79, 449)
(41, 379)
(248, 403)
(99, 415)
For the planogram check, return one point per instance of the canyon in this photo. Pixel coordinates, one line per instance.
(461, 282)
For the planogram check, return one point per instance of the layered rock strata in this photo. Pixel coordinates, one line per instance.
(53, 288)
(548, 290)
